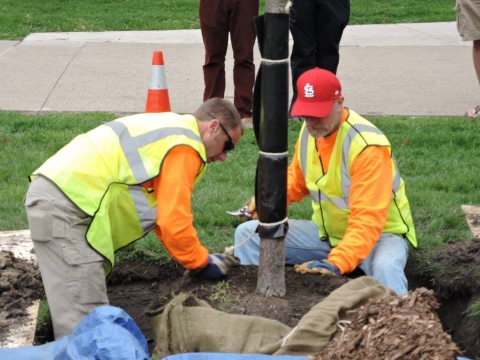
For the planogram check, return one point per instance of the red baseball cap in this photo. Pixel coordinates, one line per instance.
(317, 90)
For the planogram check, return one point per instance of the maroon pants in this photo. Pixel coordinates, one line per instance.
(218, 18)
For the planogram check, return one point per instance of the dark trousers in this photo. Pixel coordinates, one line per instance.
(317, 27)
(218, 18)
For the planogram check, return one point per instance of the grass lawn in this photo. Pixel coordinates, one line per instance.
(436, 156)
(20, 18)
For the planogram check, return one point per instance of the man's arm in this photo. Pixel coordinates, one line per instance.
(173, 189)
(370, 196)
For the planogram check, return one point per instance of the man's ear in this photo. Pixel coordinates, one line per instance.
(213, 125)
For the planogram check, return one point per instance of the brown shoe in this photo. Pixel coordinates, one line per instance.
(473, 112)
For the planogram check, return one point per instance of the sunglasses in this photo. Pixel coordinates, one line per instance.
(229, 145)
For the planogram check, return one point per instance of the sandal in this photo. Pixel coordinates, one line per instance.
(473, 112)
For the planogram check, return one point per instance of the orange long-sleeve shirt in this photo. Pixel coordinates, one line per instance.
(369, 200)
(173, 189)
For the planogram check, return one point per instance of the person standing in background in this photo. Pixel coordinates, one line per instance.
(218, 19)
(468, 25)
(317, 27)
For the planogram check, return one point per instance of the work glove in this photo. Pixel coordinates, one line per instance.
(323, 267)
(218, 266)
(251, 209)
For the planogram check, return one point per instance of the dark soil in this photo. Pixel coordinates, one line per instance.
(136, 287)
(20, 285)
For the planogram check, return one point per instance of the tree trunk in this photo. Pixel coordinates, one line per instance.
(273, 143)
(276, 6)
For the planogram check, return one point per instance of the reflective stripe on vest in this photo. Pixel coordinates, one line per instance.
(131, 144)
(146, 214)
(330, 191)
(341, 203)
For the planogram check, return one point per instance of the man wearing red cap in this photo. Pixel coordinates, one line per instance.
(361, 215)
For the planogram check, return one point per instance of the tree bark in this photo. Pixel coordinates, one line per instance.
(276, 6)
(271, 269)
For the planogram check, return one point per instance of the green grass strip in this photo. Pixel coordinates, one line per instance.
(18, 18)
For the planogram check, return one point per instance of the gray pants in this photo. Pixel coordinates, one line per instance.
(72, 272)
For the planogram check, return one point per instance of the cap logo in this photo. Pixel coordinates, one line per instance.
(337, 92)
(309, 92)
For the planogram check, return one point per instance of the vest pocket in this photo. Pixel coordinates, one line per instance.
(84, 275)
(39, 214)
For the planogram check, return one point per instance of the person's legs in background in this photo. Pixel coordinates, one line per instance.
(332, 18)
(475, 112)
(243, 34)
(303, 27)
(476, 58)
(301, 244)
(387, 261)
(213, 15)
(468, 26)
(317, 27)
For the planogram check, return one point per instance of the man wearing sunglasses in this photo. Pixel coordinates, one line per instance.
(111, 186)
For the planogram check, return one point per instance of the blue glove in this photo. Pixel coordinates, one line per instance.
(323, 267)
(218, 266)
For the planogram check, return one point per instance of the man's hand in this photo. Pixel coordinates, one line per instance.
(323, 267)
(218, 266)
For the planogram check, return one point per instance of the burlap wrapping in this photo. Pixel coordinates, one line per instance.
(188, 324)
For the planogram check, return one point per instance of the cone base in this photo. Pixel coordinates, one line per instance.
(157, 101)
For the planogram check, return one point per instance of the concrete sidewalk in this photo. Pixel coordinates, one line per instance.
(401, 69)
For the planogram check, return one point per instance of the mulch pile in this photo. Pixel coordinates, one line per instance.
(395, 327)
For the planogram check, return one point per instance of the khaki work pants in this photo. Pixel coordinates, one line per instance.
(72, 272)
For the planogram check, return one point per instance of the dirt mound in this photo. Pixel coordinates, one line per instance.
(455, 268)
(238, 295)
(396, 327)
(454, 275)
(20, 285)
(136, 286)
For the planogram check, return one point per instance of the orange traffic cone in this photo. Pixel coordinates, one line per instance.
(157, 96)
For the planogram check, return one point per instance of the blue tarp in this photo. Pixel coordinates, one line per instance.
(107, 333)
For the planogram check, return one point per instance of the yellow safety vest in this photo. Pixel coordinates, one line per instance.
(102, 172)
(330, 192)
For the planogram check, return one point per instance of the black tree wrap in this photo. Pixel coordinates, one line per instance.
(270, 119)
